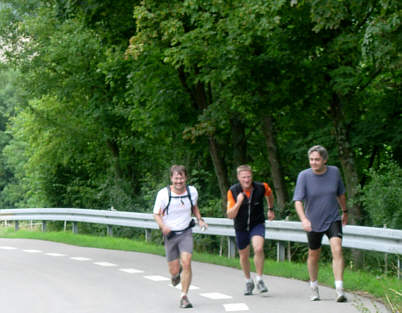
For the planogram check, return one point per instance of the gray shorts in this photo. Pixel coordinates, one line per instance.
(179, 243)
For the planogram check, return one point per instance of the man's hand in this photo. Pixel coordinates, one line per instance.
(240, 198)
(165, 230)
(344, 218)
(271, 215)
(306, 225)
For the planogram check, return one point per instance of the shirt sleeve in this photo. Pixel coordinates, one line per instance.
(161, 201)
(268, 190)
(341, 186)
(194, 195)
(231, 201)
(300, 190)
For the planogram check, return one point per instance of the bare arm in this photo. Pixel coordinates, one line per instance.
(158, 218)
(302, 216)
(342, 203)
(232, 212)
(197, 214)
(270, 201)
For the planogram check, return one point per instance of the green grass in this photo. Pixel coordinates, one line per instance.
(365, 283)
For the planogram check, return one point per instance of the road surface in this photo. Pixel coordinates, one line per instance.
(47, 277)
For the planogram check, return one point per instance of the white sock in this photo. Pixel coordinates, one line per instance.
(258, 278)
(339, 284)
(314, 284)
(249, 280)
(183, 294)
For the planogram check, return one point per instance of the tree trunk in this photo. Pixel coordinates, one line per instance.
(346, 158)
(273, 158)
(239, 142)
(348, 167)
(220, 170)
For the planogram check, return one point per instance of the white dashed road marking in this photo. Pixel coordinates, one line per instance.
(156, 278)
(215, 296)
(8, 248)
(55, 254)
(79, 258)
(105, 264)
(233, 307)
(131, 270)
(32, 251)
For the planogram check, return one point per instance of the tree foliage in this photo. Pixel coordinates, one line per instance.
(98, 99)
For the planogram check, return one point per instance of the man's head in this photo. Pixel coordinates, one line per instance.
(318, 157)
(178, 177)
(245, 176)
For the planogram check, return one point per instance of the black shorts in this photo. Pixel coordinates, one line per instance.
(315, 238)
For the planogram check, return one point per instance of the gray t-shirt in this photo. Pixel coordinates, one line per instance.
(319, 194)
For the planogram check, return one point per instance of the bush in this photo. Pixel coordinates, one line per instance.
(381, 197)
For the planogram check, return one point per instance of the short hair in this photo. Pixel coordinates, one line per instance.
(320, 149)
(244, 167)
(180, 169)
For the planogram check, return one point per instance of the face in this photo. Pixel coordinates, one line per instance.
(317, 163)
(178, 181)
(245, 179)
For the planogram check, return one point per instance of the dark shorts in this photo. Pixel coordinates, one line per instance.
(179, 243)
(315, 238)
(243, 238)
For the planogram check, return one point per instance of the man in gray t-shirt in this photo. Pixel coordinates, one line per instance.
(318, 195)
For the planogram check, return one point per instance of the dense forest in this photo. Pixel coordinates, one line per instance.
(99, 98)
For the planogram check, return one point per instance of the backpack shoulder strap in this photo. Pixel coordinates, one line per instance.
(166, 209)
(189, 197)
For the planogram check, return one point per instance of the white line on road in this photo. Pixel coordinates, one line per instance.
(55, 254)
(215, 295)
(32, 251)
(233, 307)
(156, 278)
(8, 248)
(79, 258)
(131, 270)
(105, 264)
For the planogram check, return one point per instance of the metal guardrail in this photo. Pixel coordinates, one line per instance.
(358, 237)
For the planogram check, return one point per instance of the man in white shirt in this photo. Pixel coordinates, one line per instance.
(173, 211)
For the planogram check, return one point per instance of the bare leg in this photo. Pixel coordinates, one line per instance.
(187, 273)
(258, 247)
(312, 263)
(337, 257)
(244, 261)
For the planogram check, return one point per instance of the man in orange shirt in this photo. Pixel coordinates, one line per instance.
(246, 206)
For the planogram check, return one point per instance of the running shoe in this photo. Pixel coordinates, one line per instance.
(249, 288)
(340, 295)
(185, 303)
(315, 295)
(261, 287)
(176, 279)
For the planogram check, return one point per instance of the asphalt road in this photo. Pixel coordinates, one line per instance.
(47, 277)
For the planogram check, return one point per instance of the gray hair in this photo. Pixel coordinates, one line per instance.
(179, 169)
(244, 167)
(320, 149)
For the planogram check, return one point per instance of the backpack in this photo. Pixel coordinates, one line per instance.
(188, 195)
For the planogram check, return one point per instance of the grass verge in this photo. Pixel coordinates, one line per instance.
(386, 289)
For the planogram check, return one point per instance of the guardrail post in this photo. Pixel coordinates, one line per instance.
(75, 227)
(43, 226)
(231, 247)
(280, 251)
(109, 230)
(147, 235)
(17, 225)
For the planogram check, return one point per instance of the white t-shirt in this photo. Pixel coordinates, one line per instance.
(178, 216)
